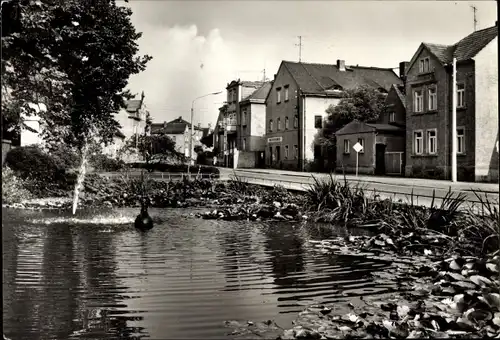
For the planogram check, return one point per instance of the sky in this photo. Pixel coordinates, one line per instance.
(198, 47)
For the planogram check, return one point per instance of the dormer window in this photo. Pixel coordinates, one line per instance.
(424, 65)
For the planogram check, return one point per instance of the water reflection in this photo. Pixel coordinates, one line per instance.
(180, 280)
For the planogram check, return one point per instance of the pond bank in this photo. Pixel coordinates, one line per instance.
(457, 297)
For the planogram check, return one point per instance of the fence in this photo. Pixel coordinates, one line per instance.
(394, 163)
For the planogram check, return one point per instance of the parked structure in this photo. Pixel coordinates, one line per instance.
(429, 106)
(179, 130)
(383, 140)
(296, 104)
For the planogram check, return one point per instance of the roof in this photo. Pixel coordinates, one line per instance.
(245, 83)
(465, 49)
(321, 79)
(356, 127)
(120, 134)
(133, 105)
(399, 89)
(443, 53)
(261, 92)
(174, 127)
(472, 44)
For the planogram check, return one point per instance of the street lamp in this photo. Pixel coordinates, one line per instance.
(192, 125)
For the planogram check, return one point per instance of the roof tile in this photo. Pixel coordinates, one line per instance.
(318, 78)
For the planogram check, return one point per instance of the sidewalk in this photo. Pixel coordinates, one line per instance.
(399, 181)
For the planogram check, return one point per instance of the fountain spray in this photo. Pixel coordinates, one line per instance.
(81, 176)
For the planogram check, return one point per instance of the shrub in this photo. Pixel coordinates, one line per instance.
(164, 167)
(105, 163)
(13, 189)
(33, 162)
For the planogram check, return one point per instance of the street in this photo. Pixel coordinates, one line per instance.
(386, 187)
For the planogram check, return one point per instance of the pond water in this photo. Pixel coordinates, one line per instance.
(95, 277)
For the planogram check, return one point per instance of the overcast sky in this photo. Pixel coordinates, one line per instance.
(200, 46)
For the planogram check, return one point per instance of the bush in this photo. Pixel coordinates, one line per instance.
(104, 163)
(33, 162)
(164, 167)
(13, 189)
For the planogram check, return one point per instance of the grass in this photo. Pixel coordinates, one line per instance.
(338, 202)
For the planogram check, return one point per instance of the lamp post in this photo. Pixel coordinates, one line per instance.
(192, 127)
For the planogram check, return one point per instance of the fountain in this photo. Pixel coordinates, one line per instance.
(81, 177)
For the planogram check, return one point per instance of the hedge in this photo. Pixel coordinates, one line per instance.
(164, 167)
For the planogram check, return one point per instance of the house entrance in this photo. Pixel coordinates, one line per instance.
(261, 159)
(380, 159)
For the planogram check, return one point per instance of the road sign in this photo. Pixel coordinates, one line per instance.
(357, 147)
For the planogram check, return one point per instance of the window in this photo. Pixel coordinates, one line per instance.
(362, 142)
(286, 151)
(286, 93)
(271, 125)
(424, 65)
(287, 123)
(418, 147)
(431, 142)
(295, 152)
(432, 99)
(278, 124)
(318, 122)
(244, 144)
(460, 95)
(278, 95)
(346, 146)
(392, 117)
(418, 101)
(460, 140)
(244, 118)
(296, 121)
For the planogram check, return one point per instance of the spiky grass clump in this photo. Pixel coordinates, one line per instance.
(481, 231)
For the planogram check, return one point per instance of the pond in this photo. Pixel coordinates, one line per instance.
(95, 277)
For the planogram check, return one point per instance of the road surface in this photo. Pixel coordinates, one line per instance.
(386, 187)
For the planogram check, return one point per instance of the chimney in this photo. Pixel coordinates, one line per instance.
(209, 126)
(164, 124)
(341, 65)
(403, 66)
(199, 125)
(275, 76)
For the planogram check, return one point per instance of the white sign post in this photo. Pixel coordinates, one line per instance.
(357, 147)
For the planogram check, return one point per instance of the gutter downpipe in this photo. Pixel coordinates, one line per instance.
(454, 123)
(303, 134)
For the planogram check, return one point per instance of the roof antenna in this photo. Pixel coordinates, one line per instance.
(474, 8)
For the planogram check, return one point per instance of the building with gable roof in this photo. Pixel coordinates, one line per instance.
(429, 106)
(383, 140)
(240, 123)
(298, 99)
(179, 130)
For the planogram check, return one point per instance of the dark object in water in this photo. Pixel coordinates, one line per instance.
(143, 221)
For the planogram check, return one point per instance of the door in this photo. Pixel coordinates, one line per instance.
(278, 154)
(380, 159)
(261, 159)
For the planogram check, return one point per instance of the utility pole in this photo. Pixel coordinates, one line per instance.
(474, 8)
(300, 48)
(454, 123)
